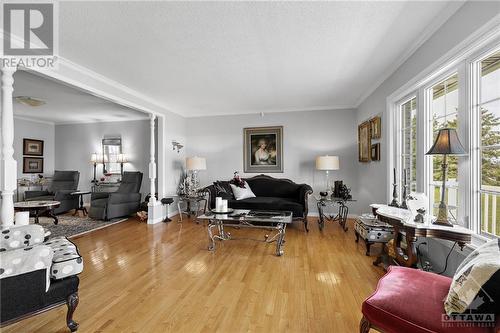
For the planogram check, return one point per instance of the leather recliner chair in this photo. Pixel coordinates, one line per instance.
(125, 201)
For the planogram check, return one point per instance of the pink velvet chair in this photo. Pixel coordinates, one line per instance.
(408, 300)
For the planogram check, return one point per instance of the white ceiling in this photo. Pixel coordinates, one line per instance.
(208, 58)
(65, 104)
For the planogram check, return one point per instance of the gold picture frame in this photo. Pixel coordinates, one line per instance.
(376, 127)
(364, 142)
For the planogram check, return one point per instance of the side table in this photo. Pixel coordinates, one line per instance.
(371, 230)
(189, 200)
(81, 206)
(342, 213)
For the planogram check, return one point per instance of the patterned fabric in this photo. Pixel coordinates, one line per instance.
(18, 237)
(66, 261)
(25, 260)
(476, 284)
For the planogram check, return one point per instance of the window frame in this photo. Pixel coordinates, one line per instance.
(460, 59)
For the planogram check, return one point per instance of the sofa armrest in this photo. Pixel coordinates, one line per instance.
(304, 193)
(124, 197)
(211, 193)
(21, 236)
(65, 195)
(34, 194)
(99, 195)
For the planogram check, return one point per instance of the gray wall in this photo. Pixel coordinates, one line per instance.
(74, 143)
(34, 130)
(373, 176)
(305, 134)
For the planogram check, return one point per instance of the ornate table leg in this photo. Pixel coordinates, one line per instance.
(281, 239)
(51, 214)
(37, 213)
(179, 209)
(321, 218)
(343, 212)
(211, 240)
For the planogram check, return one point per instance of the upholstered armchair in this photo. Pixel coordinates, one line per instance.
(125, 201)
(63, 184)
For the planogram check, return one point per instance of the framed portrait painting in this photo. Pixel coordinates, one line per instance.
(364, 142)
(263, 149)
(32, 147)
(32, 164)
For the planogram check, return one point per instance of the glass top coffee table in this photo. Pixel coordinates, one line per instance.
(243, 218)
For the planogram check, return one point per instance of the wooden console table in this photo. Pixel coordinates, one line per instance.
(404, 226)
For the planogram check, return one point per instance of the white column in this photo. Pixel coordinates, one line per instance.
(154, 206)
(9, 165)
(152, 163)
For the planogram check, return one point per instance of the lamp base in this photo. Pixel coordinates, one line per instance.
(444, 223)
(442, 218)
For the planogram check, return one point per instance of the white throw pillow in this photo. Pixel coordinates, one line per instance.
(242, 193)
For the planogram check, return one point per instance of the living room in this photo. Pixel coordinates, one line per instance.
(357, 142)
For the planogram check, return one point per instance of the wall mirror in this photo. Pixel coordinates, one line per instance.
(111, 148)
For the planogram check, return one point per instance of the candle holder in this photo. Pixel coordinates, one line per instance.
(394, 202)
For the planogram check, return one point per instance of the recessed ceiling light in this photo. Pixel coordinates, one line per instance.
(30, 101)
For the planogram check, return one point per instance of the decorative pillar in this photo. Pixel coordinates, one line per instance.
(152, 163)
(154, 206)
(8, 168)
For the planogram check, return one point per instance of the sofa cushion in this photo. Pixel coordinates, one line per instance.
(19, 236)
(271, 187)
(241, 193)
(476, 284)
(268, 203)
(411, 300)
(66, 260)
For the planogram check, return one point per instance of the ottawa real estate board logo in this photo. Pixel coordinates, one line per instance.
(30, 34)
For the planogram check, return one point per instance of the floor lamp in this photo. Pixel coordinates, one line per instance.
(447, 143)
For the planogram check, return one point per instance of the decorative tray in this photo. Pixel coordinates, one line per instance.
(229, 210)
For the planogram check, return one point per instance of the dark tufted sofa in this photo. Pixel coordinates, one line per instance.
(270, 194)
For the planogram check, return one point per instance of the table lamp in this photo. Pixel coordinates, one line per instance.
(327, 163)
(195, 164)
(94, 160)
(121, 158)
(447, 143)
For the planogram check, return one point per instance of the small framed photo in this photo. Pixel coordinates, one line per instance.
(32, 164)
(375, 152)
(376, 127)
(32, 147)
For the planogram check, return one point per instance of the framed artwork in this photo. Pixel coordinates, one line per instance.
(263, 149)
(32, 164)
(375, 152)
(32, 147)
(364, 142)
(376, 127)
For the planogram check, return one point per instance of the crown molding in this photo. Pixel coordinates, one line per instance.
(272, 111)
(34, 120)
(101, 121)
(430, 30)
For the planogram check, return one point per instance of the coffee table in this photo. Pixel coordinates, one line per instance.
(38, 207)
(243, 218)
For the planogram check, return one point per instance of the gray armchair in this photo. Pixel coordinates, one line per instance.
(125, 201)
(63, 183)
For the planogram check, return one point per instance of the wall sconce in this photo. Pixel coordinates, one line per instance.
(176, 145)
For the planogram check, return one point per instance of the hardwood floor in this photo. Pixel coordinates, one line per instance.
(161, 278)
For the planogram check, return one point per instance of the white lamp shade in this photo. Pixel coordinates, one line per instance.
(94, 158)
(196, 163)
(327, 162)
(121, 158)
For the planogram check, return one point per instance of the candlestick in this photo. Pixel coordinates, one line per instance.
(394, 202)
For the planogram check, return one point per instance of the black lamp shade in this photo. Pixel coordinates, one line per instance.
(447, 143)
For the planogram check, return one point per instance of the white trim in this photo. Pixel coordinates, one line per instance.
(430, 30)
(145, 118)
(34, 120)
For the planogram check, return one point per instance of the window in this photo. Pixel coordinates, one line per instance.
(444, 114)
(489, 150)
(408, 137)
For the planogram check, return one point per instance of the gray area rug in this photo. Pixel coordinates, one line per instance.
(71, 226)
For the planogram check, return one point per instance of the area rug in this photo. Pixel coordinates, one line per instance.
(72, 226)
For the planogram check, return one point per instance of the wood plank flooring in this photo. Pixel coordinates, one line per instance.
(161, 278)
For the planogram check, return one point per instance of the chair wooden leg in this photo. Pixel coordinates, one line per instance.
(364, 325)
(72, 303)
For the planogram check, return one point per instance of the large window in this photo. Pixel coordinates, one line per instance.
(444, 114)
(489, 113)
(408, 137)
